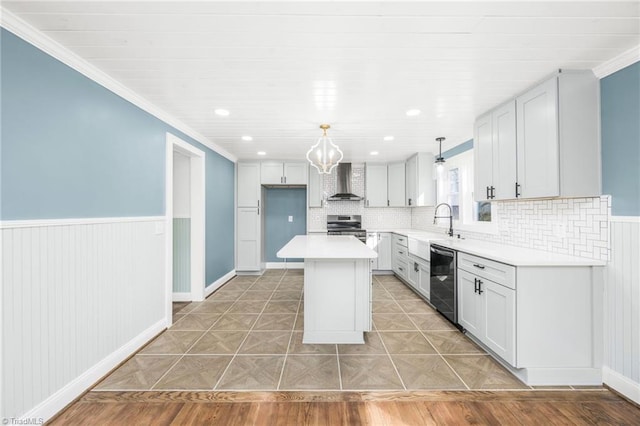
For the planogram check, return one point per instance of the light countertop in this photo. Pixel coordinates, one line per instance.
(326, 247)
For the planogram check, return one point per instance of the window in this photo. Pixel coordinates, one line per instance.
(455, 187)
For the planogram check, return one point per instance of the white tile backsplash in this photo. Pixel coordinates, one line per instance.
(574, 226)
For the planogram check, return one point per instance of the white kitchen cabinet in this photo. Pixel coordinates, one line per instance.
(384, 251)
(420, 185)
(400, 256)
(424, 281)
(495, 154)
(279, 173)
(248, 234)
(248, 181)
(376, 185)
(396, 183)
(372, 243)
(315, 188)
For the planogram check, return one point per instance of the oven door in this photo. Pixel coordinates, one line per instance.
(361, 235)
(444, 294)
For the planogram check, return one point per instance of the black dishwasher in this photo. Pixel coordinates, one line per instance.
(444, 292)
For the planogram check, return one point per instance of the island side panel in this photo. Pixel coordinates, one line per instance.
(337, 298)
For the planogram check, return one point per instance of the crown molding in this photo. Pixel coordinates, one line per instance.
(621, 61)
(27, 32)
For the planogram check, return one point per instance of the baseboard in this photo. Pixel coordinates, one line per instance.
(181, 297)
(285, 265)
(217, 283)
(621, 384)
(59, 400)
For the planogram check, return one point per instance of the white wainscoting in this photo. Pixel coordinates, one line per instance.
(622, 308)
(78, 297)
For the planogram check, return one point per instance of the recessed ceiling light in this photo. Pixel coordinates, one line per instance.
(221, 112)
(374, 153)
(262, 153)
(388, 138)
(413, 112)
(247, 138)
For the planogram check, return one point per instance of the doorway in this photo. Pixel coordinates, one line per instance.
(184, 223)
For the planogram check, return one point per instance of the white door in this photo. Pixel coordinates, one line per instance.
(376, 185)
(538, 165)
(483, 158)
(248, 256)
(504, 151)
(396, 185)
(470, 306)
(499, 325)
(271, 173)
(295, 173)
(384, 251)
(248, 184)
(412, 180)
(316, 182)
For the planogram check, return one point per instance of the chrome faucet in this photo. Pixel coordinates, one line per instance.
(435, 217)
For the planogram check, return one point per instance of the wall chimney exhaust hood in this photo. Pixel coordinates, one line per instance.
(343, 190)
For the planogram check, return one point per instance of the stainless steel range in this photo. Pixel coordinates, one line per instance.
(346, 225)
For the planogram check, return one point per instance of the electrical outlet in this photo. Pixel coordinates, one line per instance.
(290, 218)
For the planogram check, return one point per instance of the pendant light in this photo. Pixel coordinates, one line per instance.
(324, 155)
(440, 159)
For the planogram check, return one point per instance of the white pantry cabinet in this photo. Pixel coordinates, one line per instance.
(279, 173)
(420, 185)
(248, 249)
(248, 182)
(396, 185)
(315, 187)
(375, 180)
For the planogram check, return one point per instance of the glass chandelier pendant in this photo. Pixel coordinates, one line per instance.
(324, 155)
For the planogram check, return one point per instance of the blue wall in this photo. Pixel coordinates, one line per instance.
(458, 149)
(72, 149)
(279, 204)
(620, 115)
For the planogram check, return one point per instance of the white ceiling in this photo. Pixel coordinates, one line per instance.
(283, 68)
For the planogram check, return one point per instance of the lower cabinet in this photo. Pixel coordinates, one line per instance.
(487, 310)
(419, 276)
(248, 249)
(380, 242)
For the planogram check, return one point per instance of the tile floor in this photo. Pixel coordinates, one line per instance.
(248, 336)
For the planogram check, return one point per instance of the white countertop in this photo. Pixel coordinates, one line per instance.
(326, 247)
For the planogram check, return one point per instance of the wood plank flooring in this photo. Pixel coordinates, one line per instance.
(600, 407)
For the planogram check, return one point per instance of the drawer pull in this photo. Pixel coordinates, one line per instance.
(400, 252)
(401, 269)
(478, 266)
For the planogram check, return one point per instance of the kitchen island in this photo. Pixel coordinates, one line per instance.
(337, 287)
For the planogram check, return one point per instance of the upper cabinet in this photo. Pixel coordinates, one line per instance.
(376, 185)
(495, 153)
(279, 173)
(315, 187)
(248, 184)
(420, 186)
(543, 144)
(396, 185)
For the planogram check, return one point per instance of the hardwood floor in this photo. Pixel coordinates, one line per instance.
(352, 408)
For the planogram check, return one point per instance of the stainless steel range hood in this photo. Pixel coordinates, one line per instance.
(343, 190)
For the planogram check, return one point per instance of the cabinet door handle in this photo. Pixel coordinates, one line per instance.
(493, 195)
(478, 266)
(400, 269)
(416, 268)
(285, 179)
(400, 252)
(409, 201)
(367, 203)
(258, 207)
(388, 204)
(480, 287)
(488, 195)
(475, 285)
(518, 190)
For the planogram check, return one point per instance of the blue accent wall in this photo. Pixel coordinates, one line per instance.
(620, 115)
(279, 204)
(70, 148)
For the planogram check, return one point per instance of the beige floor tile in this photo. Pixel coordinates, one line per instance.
(239, 285)
(244, 279)
(368, 372)
(452, 342)
(141, 372)
(286, 295)
(177, 317)
(247, 307)
(194, 372)
(254, 372)
(310, 372)
(273, 273)
(212, 306)
(381, 294)
(172, 342)
(426, 372)
(290, 286)
(256, 295)
(189, 308)
(282, 307)
(406, 342)
(235, 322)
(386, 307)
(297, 347)
(372, 346)
(299, 325)
(273, 322)
(483, 372)
(266, 343)
(227, 295)
(551, 387)
(219, 342)
(587, 387)
(178, 306)
(387, 279)
(416, 307)
(404, 294)
(431, 322)
(195, 322)
(384, 322)
(264, 285)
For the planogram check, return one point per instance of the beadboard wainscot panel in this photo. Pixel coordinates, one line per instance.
(181, 259)
(78, 297)
(622, 308)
